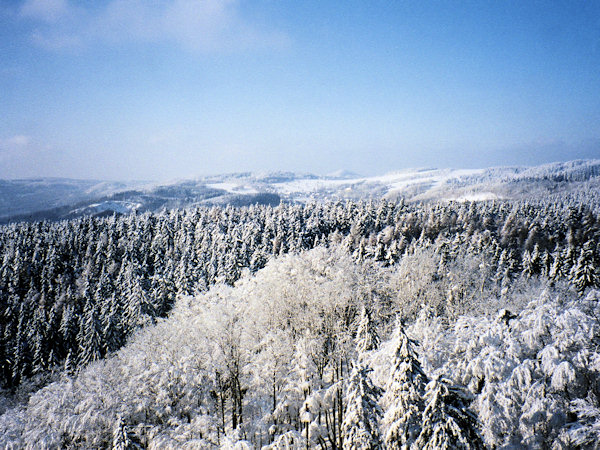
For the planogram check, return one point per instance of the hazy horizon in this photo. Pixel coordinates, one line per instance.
(333, 173)
(128, 90)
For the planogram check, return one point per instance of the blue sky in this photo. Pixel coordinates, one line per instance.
(134, 89)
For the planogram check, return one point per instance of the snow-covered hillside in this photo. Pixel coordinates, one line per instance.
(26, 196)
(421, 184)
(58, 199)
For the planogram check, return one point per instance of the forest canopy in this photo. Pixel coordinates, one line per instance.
(370, 324)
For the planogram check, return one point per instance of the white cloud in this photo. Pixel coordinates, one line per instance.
(15, 141)
(55, 41)
(14, 151)
(25, 156)
(44, 10)
(196, 25)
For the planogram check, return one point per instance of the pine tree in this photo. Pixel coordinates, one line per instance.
(121, 438)
(527, 263)
(21, 358)
(38, 338)
(501, 267)
(546, 263)
(558, 268)
(447, 421)
(366, 334)
(360, 428)
(90, 335)
(584, 274)
(403, 398)
(112, 329)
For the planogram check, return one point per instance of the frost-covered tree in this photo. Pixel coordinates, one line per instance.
(558, 268)
(361, 420)
(447, 422)
(90, 335)
(584, 273)
(367, 338)
(121, 438)
(527, 264)
(403, 399)
(585, 433)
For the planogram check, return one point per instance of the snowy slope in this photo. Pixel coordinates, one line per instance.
(18, 197)
(60, 198)
(421, 184)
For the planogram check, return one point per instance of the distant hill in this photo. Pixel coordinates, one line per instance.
(26, 196)
(54, 199)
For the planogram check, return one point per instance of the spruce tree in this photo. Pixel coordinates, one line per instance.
(90, 335)
(121, 438)
(584, 273)
(366, 334)
(403, 398)
(361, 420)
(447, 422)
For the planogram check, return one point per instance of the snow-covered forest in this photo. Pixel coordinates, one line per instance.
(334, 325)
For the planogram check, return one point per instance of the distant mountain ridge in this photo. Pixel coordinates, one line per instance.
(25, 196)
(59, 198)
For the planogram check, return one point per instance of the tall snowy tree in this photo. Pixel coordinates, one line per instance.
(584, 273)
(121, 439)
(447, 421)
(403, 399)
(360, 427)
(367, 338)
(90, 335)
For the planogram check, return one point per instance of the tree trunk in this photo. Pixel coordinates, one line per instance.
(340, 404)
(307, 425)
(221, 395)
(274, 395)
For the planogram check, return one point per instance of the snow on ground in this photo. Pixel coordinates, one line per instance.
(116, 206)
(234, 188)
(394, 181)
(477, 197)
(309, 185)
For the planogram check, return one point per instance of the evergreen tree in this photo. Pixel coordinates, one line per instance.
(37, 337)
(403, 398)
(447, 421)
(527, 264)
(584, 273)
(112, 328)
(121, 439)
(558, 269)
(21, 358)
(90, 335)
(367, 338)
(360, 427)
